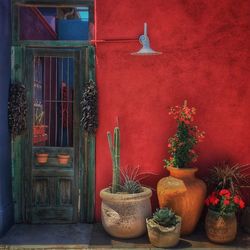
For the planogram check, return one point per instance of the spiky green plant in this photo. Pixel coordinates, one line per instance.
(132, 178)
(114, 148)
(229, 176)
(132, 187)
(165, 217)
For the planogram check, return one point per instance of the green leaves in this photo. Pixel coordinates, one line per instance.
(186, 137)
(165, 217)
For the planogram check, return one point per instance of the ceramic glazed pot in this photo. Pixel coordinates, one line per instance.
(124, 215)
(63, 159)
(160, 236)
(221, 229)
(183, 193)
(42, 158)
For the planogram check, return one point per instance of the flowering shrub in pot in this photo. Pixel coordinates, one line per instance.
(221, 222)
(182, 191)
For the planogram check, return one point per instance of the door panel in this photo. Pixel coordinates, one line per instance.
(55, 122)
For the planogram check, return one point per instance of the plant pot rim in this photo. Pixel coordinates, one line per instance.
(65, 156)
(105, 194)
(192, 169)
(161, 228)
(219, 215)
(42, 154)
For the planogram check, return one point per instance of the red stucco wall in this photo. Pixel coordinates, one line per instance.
(206, 60)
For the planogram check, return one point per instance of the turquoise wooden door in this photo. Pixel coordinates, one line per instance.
(51, 187)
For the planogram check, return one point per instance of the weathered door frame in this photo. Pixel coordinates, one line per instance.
(21, 143)
(87, 148)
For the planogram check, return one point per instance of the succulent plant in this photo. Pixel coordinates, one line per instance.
(132, 187)
(165, 217)
(131, 180)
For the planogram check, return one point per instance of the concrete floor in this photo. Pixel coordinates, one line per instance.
(92, 236)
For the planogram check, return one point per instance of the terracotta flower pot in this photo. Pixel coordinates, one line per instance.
(124, 215)
(160, 236)
(183, 193)
(221, 229)
(63, 159)
(42, 158)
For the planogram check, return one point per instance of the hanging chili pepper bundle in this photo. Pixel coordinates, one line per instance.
(17, 109)
(89, 118)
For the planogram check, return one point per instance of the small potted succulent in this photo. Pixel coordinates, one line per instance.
(126, 204)
(41, 157)
(164, 228)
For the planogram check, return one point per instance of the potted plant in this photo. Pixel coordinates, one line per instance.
(41, 157)
(226, 180)
(221, 222)
(39, 129)
(63, 158)
(182, 191)
(164, 228)
(125, 206)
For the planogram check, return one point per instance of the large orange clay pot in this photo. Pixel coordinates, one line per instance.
(185, 194)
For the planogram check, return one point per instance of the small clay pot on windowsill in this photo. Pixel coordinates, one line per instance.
(63, 159)
(42, 158)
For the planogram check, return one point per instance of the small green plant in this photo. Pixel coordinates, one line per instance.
(114, 148)
(39, 115)
(165, 217)
(132, 187)
(131, 180)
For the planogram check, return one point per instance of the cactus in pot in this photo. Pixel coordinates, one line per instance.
(125, 206)
(114, 148)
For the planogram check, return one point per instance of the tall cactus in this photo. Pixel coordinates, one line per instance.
(114, 148)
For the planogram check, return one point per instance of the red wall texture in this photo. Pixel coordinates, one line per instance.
(206, 60)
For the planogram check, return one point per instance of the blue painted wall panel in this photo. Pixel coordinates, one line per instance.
(74, 29)
(6, 205)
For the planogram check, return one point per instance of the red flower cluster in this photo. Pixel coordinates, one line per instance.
(224, 200)
(183, 113)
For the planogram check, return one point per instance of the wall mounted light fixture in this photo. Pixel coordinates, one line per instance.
(145, 50)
